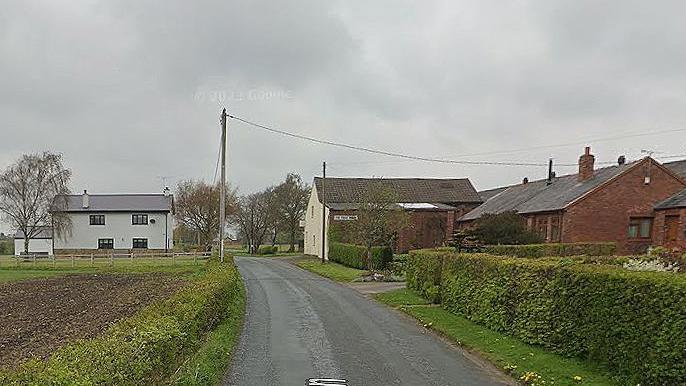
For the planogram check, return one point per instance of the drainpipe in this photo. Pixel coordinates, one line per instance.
(166, 235)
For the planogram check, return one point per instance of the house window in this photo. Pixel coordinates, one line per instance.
(140, 243)
(542, 227)
(105, 243)
(640, 227)
(139, 219)
(97, 219)
(555, 229)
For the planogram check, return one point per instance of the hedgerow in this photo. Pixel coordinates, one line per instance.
(355, 256)
(145, 348)
(267, 250)
(633, 322)
(559, 249)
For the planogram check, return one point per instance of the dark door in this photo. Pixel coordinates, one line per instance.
(671, 230)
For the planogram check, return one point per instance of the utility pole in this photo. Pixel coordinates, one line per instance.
(222, 189)
(323, 213)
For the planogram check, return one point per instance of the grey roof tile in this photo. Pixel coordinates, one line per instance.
(678, 167)
(120, 203)
(538, 196)
(409, 190)
(676, 201)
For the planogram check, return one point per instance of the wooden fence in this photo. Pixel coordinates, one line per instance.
(108, 259)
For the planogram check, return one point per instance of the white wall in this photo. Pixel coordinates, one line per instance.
(118, 227)
(35, 246)
(313, 227)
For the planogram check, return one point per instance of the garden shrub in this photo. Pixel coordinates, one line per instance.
(633, 322)
(147, 347)
(559, 249)
(267, 250)
(355, 256)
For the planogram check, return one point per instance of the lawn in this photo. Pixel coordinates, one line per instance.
(333, 271)
(21, 274)
(510, 354)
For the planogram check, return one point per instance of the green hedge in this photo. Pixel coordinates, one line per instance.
(544, 250)
(147, 347)
(633, 322)
(355, 255)
(267, 250)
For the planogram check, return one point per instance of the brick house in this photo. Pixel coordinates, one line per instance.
(615, 203)
(433, 204)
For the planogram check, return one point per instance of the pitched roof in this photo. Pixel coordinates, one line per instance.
(409, 190)
(488, 193)
(120, 203)
(678, 167)
(45, 232)
(676, 201)
(538, 196)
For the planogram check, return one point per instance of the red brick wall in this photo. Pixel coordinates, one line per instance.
(604, 214)
(427, 229)
(659, 230)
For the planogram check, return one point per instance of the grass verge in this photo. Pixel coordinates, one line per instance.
(531, 365)
(333, 271)
(209, 363)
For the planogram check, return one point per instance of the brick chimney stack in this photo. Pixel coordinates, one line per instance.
(586, 162)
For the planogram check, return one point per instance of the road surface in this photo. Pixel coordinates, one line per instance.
(299, 325)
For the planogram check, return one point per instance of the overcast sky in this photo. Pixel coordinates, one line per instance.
(130, 91)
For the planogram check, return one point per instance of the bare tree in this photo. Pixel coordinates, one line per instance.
(197, 209)
(291, 197)
(33, 195)
(252, 217)
(379, 219)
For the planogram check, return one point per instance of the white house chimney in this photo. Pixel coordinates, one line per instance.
(85, 202)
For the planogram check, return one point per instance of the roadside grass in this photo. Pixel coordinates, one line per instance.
(333, 271)
(209, 363)
(401, 297)
(515, 357)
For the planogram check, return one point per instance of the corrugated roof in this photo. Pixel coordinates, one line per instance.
(676, 201)
(432, 190)
(678, 167)
(45, 232)
(120, 203)
(538, 196)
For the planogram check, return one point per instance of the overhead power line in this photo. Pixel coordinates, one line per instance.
(443, 160)
(383, 152)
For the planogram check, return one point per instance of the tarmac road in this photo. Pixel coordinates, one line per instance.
(299, 325)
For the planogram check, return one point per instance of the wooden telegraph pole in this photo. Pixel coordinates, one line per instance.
(323, 213)
(222, 189)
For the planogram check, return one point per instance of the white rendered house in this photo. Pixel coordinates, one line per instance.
(118, 222)
(40, 244)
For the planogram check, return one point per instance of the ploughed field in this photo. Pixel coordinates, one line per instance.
(39, 315)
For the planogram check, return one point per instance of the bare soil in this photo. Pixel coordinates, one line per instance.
(38, 316)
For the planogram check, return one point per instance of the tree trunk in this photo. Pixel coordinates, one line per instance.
(26, 244)
(292, 247)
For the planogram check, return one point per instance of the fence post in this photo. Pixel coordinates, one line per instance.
(195, 259)
(131, 256)
(173, 258)
(17, 260)
(34, 259)
(54, 261)
(92, 260)
(72, 261)
(111, 259)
